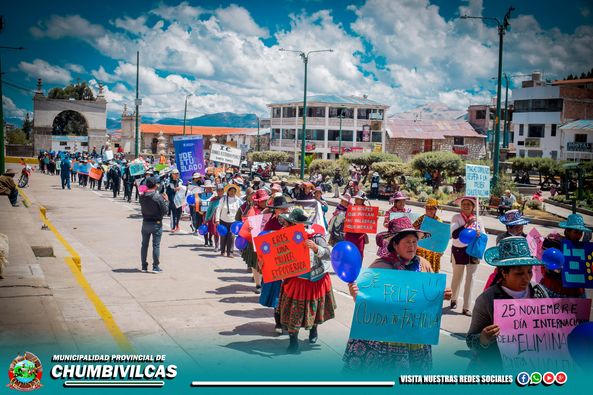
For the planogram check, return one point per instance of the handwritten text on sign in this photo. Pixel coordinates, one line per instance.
(283, 253)
(533, 331)
(95, 173)
(361, 219)
(477, 181)
(398, 306)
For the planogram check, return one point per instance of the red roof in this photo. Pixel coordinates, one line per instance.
(153, 128)
(425, 129)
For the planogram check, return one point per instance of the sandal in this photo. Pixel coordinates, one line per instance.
(453, 305)
(467, 312)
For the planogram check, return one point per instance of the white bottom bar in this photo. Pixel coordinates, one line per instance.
(293, 383)
(113, 383)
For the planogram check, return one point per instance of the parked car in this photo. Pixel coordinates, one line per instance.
(285, 167)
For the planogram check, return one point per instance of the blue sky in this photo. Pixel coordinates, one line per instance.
(404, 53)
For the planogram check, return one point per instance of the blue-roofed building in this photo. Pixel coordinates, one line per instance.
(576, 140)
(335, 125)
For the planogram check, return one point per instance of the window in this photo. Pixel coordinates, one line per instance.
(521, 143)
(522, 153)
(481, 114)
(511, 136)
(276, 112)
(376, 137)
(369, 113)
(538, 105)
(580, 138)
(521, 132)
(317, 112)
(334, 112)
(458, 141)
(315, 134)
(276, 134)
(554, 130)
(536, 131)
(288, 112)
(554, 155)
(288, 134)
(534, 153)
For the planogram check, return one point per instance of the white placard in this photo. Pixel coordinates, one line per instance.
(225, 154)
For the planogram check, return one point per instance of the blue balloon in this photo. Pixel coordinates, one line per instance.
(580, 345)
(236, 227)
(346, 261)
(241, 243)
(190, 199)
(264, 232)
(467, 235)
(553, 259)
(222, 230)
(203, 229)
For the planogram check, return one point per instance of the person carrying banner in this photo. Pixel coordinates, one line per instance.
(154, 207)
(399, 206)
(514, 265)
(211, 218)
(173, 187)
(430, 211)
(399, 253)
(460, 260)
(270, 292)
(308, 300)
(335, 227)
(358, 239)
(225, 216)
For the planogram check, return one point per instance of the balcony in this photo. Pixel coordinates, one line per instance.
(532, 142)
(289, 145)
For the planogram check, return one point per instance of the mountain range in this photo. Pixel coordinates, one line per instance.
(221, 119)
(435, 110)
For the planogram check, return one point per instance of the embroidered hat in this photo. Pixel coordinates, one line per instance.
(261, 195)
(396, 226)
(511, 251)
(576, 222)
(346, 197)
(512, 218)
(399, 195)
(296, 216)
(432, 202)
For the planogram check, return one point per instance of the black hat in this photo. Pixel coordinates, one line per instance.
(280, 202)
(151, 182)
(296, 216)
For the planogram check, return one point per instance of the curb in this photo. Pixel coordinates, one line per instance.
(568, 207)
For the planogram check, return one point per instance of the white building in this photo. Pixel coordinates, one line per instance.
(576, 140)
(359, 119)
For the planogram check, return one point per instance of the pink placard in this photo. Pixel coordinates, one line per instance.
(533, 332)
(535, 241)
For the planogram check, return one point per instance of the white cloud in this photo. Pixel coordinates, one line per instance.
(132, 25)
(75, 68)
(47, 72)
(10, 109)
(238, 19)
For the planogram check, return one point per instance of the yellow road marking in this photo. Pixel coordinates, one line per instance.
(73, 263)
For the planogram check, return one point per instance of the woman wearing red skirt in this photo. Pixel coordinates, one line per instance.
(358, 239)
(308, 300)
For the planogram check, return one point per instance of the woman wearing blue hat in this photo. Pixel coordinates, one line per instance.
(514, 222)
(514, 262)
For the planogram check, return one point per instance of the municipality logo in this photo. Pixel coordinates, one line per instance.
(25, 373)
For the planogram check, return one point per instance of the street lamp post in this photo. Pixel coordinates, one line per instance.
(2, 146)
(137, 102)
(341, 116)
(185, 112)
(305, 57)
(502, 27)
(505, 139)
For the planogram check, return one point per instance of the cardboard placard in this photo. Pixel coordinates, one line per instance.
(477, 181)
(577, 271)
(361, 219)
(283, 253)
(440, 234)
(398, 306)
(225, 154)
(95, 173)
(136, 169)
(533, 332)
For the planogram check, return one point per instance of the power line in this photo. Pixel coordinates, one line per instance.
(13, 85)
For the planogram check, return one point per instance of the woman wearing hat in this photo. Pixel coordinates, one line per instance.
(430, 211)
(514, 264)
(375, 185)
(399, 206)
(514, 222)
(550, 286)
(193, 188)
(202, 203)
(307, 300)
(270, 292)
(399, 252)
(211, 217)
(318, 195)
(358, 239)
(460, 260)
(335, 227)
(225, 215)
(260, 200)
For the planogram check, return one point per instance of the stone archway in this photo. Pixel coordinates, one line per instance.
(70, 122)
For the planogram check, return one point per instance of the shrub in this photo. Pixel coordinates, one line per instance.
(272, 157)
(448, 163)
(535, 204)
(389, 171)
(363, 162)
(328, 167)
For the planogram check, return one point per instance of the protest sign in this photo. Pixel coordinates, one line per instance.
(225, 154)
(361, 219)
(256, 224)
(160, 166)
(313, 210)
(440, 233)
(136, 169)
(189, 155)
(398, 306)
(533, 332)
(84, 168)
(283, 253)
(95, 173)
(578, 264)
(75, 167)
(535, 241)
(412, 216)
(477, 181)
(108, 155)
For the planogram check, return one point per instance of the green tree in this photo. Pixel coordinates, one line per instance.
(272, 157)
(363, 162)
(78, 91)
(448, 163)
(389, 171)
(27, 126)
(328, 167)
(70, 122)
(16, 136)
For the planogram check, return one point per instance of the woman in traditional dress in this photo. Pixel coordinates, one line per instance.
(430, 211)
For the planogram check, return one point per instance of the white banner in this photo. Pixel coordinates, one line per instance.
(225, 154)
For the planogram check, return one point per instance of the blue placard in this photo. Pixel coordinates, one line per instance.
(477, 181)
(75, 167)
(84, 168)
(398, 306)
(440, 233)
(189, 155)
(578, 264)
(136, 169)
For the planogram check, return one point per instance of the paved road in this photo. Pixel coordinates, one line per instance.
(201, 303)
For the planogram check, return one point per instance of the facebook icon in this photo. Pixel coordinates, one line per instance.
(523, 379)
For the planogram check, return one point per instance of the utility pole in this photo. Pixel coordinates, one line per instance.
(341, 116)
(185, 112)
(505, 140)
(305, 57)
(137, 102)
(502, 27)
